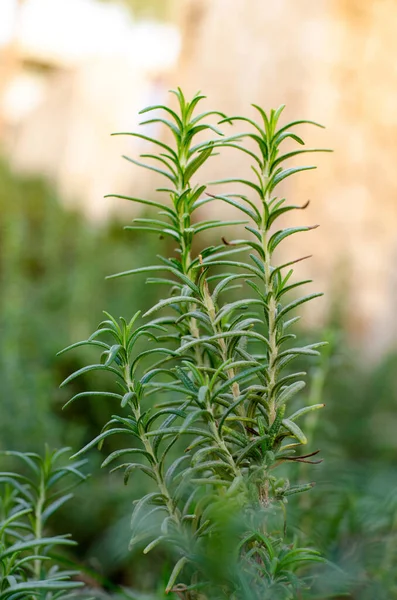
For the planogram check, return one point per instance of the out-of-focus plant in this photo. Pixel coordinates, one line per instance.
(352, 514)
(219, 507)
(51, 258)
(29, 565)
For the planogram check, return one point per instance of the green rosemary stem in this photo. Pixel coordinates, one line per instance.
(217, 329)
(222, 445)
(185, 245)
(209, 305)
(38, 525)
(135, 407)
(272, 311)
(186, 248)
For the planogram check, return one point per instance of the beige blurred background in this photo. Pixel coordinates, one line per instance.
(73, 71)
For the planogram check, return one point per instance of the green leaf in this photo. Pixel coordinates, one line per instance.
(293, 286)
(102, 436)
(238, 304)
(31, 586)
(30, 458)
(113, 352)
(289, 391)
(265, 119)
(172, 300)
(279, 177)
(35, 543)
(284, 157)
(218, 336)
(196, 163)
(142, 201)
(250, 447)
(211, 481)
(175, 130)
(165, 411)
(185, 379)
(172, 167)
(309, 350)
(277, 270)
(300, 122)
(54, 506)
(246, 182)
(141, 504)
(129, 467)
(213, 261)
(159, 230)
(151, 168)
(207, 114)
(224, 283)
(227, 412)
(211, 465)
(149, 139)
(288, 134)
(294, 430)
(239, 377)
(194, 415)
(305, 410)
(252, 212)
(154, 543)
(169, 476)
(162, 107)
(281, 235)
(83, 343)
(295, 304)
(179, 431)
(290, 322)
(186, 280)
(246, 151)
(246, 120)
(211, 225)
(88, 369)
(297, 489)
(281, 382)
(175, 572)
(117, 453)
(101, 394)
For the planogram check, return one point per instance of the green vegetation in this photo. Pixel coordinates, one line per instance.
(207, 451)
(223, 367)
(27, 555)
(52, 290)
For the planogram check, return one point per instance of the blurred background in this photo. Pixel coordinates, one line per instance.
(74, 71)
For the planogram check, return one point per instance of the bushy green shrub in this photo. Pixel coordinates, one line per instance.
(218, 505)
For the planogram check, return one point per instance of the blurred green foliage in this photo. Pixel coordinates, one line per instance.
(351, 515)
(52, 292)
(53, 265)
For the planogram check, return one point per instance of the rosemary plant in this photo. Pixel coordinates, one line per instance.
(28, 563)
(207, 407)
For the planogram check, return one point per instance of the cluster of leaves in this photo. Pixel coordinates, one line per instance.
(214, 386)
(29, 565)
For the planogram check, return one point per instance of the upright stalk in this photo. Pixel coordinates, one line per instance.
(229, 399)
(38, 526)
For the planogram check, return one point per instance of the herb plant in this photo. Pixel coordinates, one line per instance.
(29, 561)
(209, 409)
